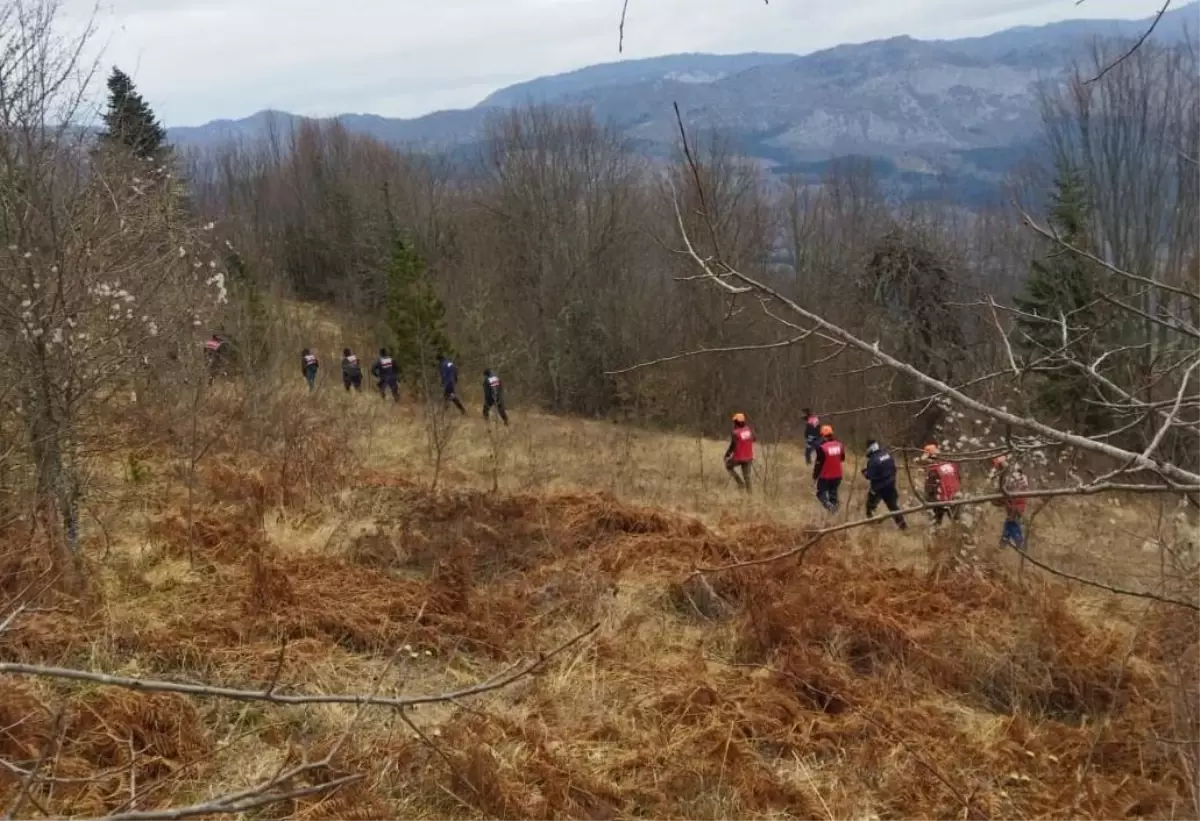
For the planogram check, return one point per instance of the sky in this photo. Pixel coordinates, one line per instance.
(200, 60)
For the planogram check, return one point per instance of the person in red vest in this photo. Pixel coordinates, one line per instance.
(827, 472)
(213, 350)
(942, 484)
(812, 434)
(740, 453)
(1011, 480)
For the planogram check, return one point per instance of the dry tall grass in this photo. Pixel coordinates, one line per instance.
(883, 675)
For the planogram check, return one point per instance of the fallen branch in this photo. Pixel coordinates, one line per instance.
(146, 685)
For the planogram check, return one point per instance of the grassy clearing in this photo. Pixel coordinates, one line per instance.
(884, 676)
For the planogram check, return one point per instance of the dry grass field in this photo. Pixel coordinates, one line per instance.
(880, 675)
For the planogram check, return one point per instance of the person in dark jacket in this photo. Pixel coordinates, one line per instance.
(351, 371)
(880, 472)
(448, 371)
(493, 395)
(812, 434)
(309, 366)
(388, 375)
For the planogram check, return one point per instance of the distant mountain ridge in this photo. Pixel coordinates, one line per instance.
(958, 112)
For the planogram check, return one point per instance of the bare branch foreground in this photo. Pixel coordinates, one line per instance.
(816, 536)
(146, 685)
(288, 782)
(1132, 461)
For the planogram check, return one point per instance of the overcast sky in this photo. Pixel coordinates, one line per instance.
(198, 60)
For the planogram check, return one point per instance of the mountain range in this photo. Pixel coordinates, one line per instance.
(933, 113)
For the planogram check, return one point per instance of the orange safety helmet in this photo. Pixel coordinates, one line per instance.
(931, 449)
(1000, 461)
(827, 430)
(739, 417)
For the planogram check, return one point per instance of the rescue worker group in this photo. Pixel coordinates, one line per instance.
(386, 373)
(943, 481)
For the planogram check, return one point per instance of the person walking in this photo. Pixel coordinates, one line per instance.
(943, 482)
(812, 434)
(214, 350)
(309, 366)
(448, 372)
(740, 453)
(351, 371)
(388, 375)
(493, 395)
(880, 473)
(1011, 480)
(827, 470)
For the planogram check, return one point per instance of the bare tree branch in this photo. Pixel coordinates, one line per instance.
(1137, 44)
(272, 697)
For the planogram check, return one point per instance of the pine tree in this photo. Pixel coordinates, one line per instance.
(1063, 284)
(415, 315)
(129, 120)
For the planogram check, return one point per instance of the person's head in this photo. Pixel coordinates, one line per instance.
(345, 351)
(872, 446)
(487, 371)
(808, 411)
(826, 431)
(441, 357)
(305, 352)
(739, 419)
(216, 337)
(930, 451)
(1000, 462)
(383, 352)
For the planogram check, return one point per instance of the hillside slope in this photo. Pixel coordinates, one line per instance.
(879, 675)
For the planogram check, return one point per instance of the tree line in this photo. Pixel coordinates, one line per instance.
(556, 253)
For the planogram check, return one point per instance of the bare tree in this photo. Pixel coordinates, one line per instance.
(102, 277)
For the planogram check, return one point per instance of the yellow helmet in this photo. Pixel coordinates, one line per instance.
(827, 430)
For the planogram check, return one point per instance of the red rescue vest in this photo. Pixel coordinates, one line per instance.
(831, 467)
(351, 360)
(743, 444)
(947, 477)
(493, 382)
(212, 344)
(309, 359)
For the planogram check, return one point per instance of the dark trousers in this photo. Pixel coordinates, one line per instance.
(352, 380)
(827, 493)
(451, 396)
(499, 406)
(941, 512)
(890, 497)
(389, 385)
(743, 481)
(810, 447)
(310, 376)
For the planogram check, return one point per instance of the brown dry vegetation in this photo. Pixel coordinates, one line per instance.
(880, 676)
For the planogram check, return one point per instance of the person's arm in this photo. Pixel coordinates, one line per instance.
(818, 463)
(732, 445)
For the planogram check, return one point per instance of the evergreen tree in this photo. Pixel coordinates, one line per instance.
(1062, 283)
(415, 315)
(129, 120)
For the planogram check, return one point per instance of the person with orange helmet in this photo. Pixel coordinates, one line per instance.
(943, 482)
(827, 470)
(1011, 480)
(740, 453)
